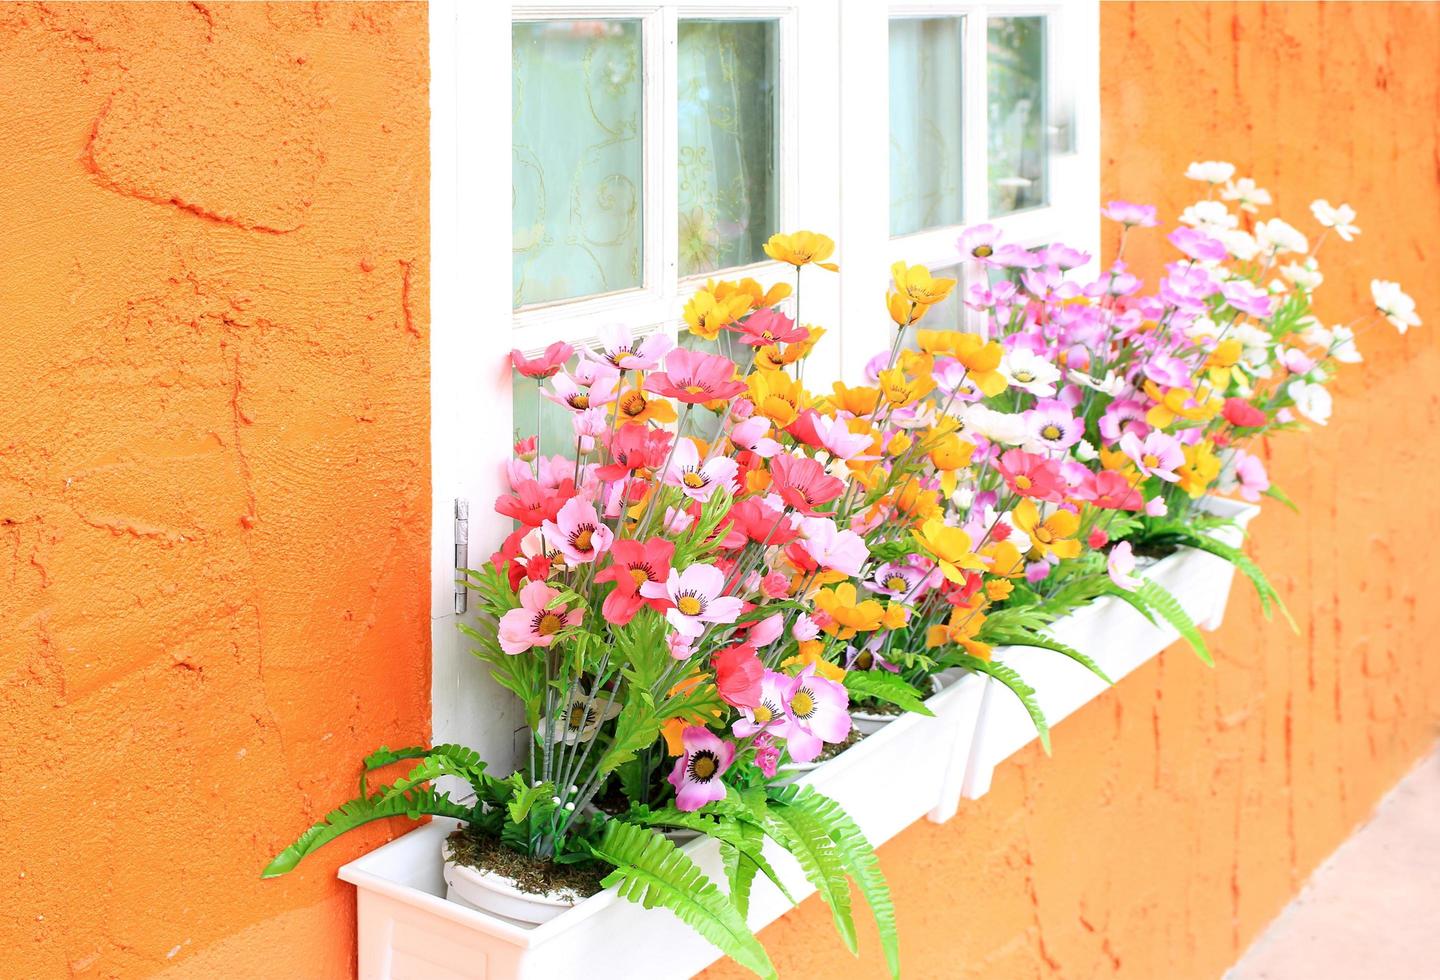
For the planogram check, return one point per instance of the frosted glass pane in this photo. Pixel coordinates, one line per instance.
(535, 413)
(925, 118)
(949, 313)
(577, 169)
(1016, 98)
(729, 192)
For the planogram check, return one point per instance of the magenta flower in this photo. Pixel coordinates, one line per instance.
(767, 326)
(693, 377)
(819, 713)
(697, 597)
(696, 776)
(544, 366)
(619, 347)
(1198, 245)
(767, 755)
(534, 624)
(1121, 416)
(1157, 455)
(1250, 475)
(1168, 370)
(1051, 424)
(769, 714)
(803, 483)
(578, 398)
(897, 580)
(578, 533)
(750, 435)
(1246, 298)
(1133, 215)
(698, 480)
(1121, 566)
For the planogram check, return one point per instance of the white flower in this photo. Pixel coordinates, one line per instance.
(1243, 189)
(1342, 346)
(1257, 343)
(1277, 236)
(1305, 276)
(1211, 171)
(1085, 452)
(1340, 218)
(1001, 427)
(1030, 372)
(1392, 301)
(1209, 216)
(1311, 401)
(1240, 244)
(1112, 384)
(1202, 326)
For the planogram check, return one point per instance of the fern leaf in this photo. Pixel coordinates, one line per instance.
(651, 871)
(798, 831)
(1008, 676)
(881, 685)
(441, 760)
(1169, 608)
(419, 802)
(1252, 571)
(856, 855)
(1043, 642)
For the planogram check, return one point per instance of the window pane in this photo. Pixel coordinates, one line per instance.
(536, 414)
(1016, 98)
(729, 190)
(949, 313)
(925, 133)
(577, 103)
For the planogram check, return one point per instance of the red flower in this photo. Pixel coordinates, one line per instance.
(1113, 492)
(803, 429)
(533, 505)
(757, 522)
(738, 671)
(634, 447)
(803, 483)
(511, 560)
(765, 327)
(547, 364)
(1031, 475)
(632, 565)
(1241, 414)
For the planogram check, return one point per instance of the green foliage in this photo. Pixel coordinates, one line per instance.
(1043, 642)
(696, 542)
(807, 838)
(1169, 609)
(651, 871)
(1275, 493)
(881, 685)
(1008, 676)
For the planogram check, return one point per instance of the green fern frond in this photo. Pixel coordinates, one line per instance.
(1252, 571)
(1008, 676)
(880, 685)
(808, 840)
(651, 871)
(1169, 608)
(1043, 642)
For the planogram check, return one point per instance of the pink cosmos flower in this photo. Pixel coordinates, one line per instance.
(1121, 416)
(1167, 370)
(1251, 476)
(635, 446)
(698, 480)
(768, 713)
(527, 449)
(803, 483)
(868, 657)
(1198, 245)
(533, 504)
(768, 326)
(766, 631)
(1155, 507)
(1157, 455)
(737, 675)
(767, 755)
(693, 377)
(979, 243)
(897, 580)
(1112, 491)
(566, 391)
(696, 776)
(832, 435)
(1051, 424)
(534, 624)
(1062, 255)
(578, 533)
(832, 549)
(1013, 256)
(805, 628)
(1031, 475)
(819, 713)
(1133, 215)
(697, 597)
(633, 564)
(1121, 566)
(1246, 298)
(619, 347)
(750, 435)
(548, 363)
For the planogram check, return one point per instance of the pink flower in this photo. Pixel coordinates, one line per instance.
(1168, 370)
(697, 597)
(832, 435)
(1250, 474)
(619, 347)
(635, 447)
(578, 398)
(1121, 416)
(1112, 491)
(633, 564)
(698, 480)
(819, 713)
(549, 362)
(768, 712)
(578, 533)
(1246, 298)
(832, 549)
(694, 377)
(1133, 215)
(1155, 507)
(1198, 245)
(766, 631)
(768, 326)
(803, 483)
(1121, 566)
(696, 776)
(767, 755)
(1031, 475)
(750, 435)
(1051, 424)
(775, 586)
(533, 504)
(737, 675)
(534, 624)
(1158, 455)
(527, 449)
(978, 243)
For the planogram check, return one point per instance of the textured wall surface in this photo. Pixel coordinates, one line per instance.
(1184, 808)
(214, 471)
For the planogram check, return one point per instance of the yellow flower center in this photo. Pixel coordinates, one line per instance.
(982, 251)
(1043, 535)
(578, 716)
(695, 389)
(802, 705)
(581, 540)
(689, 605)
(703, 766)
(1150, 461)
(764, 715)
(1025, 377)
(580, 401)
(549, 624)
(895, 583)
(693, 480)
(633, 404)
(639, 575)
(1023, 482)
(1051, 431)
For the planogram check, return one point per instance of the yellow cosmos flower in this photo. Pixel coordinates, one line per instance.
(802, 248)
(860, 401)
(1005, 559)
(899, 445)
(948, 454)
(1200, 469)
(951, 548)
(1221, 365)
(916, 504)
(1115, 459)
(808, 655)
(981, 359)
(900, 390)
(998, 589)
(634, 405)
(847, 615)
(777, 396)
(802, 348)
(1178, 403)
(772, 358)
(1053, 535)
(960, 630)
(707, 313)
(904, 310)
(937, 341)
(916, 282)
(675, 727)
(760, 297)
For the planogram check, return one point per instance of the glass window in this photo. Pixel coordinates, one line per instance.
(1016, 99)
(729, 201)
(577, 102)
(534, 413)
(925, 123)
(949, 313)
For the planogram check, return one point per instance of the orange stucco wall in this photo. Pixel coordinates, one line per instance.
(214, 470)
(1185, 807)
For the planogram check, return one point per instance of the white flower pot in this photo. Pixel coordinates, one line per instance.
(487, 891)
(1114, 635)
(871, 722)
(407, 929)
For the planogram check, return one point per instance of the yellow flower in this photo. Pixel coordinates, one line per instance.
(675, 727)
(1053, 534)
(634, 405)
(1005, 559)
(1200, 469)
(917, 504)
(1180, 403)
(859, 401)
(900, 390)
(706, 313)
(777, 396)
(916, 282)
(948, 454)
(982, 360)
(770, 358)
(847, 616)
(917, 363)
(809, 653)
(899, 445)
(759, 296)
(960, 630)
(997, 589)
(802, 348)
(802, 248)
(1222, 363)
(904, 310)
(951, 548)
(937, 341)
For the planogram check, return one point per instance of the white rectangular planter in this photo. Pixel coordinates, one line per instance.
(1116, 636)
(408, 931)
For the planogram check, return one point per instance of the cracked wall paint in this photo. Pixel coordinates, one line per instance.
(214, 496)
(1185, 807)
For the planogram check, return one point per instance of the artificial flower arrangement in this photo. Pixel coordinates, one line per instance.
(723, 565)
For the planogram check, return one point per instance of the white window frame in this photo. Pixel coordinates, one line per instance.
(834, 171)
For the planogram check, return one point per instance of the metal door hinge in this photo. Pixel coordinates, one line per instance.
(462, 552)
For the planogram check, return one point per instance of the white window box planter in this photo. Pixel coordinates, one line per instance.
(407, 930)
(1116, 636)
